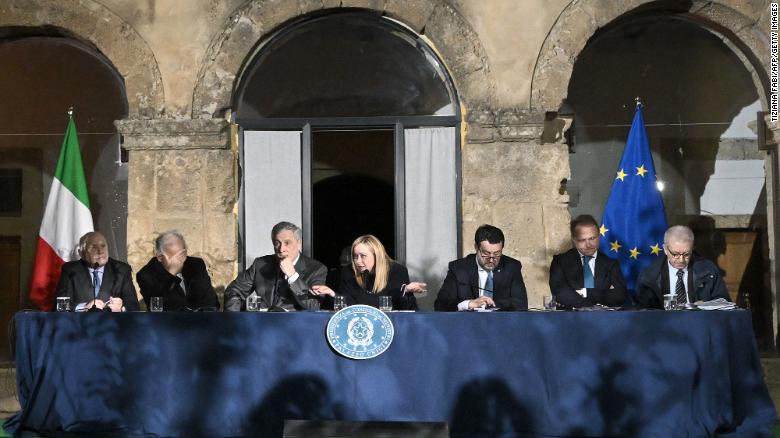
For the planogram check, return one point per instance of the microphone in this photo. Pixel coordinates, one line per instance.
(482, 289)
(94, 307)
(279, 274)
(364, 276)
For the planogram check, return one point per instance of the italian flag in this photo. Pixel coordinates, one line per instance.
(65, 220)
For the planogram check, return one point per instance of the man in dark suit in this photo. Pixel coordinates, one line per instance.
(485, 279)
(96, 280)
(181, 280)
(584, 276)
(681, 273)
(286, 280)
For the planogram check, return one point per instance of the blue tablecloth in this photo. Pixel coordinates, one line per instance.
(241, 374)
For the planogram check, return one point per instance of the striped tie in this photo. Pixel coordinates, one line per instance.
(679, 289)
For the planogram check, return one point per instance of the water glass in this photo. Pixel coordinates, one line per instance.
(156, 304)
(339, 302)
(385, 303)
(549, 302)
(670, 302)
(253, 303)
(63, 304)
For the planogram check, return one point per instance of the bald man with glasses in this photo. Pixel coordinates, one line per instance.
(681, 273)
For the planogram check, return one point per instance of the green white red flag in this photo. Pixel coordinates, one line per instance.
(65, 220)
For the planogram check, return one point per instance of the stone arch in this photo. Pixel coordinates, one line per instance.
(580, 20)
(446, 30)
(117, 40)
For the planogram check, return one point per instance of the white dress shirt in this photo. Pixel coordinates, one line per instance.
(592, 263)
(483, 274)
(80, 306)
(291, 279)
(673, 281)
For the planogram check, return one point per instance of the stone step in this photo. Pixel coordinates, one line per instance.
(8, 403)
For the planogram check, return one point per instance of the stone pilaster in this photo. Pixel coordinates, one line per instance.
(182, 176)
(513, 178)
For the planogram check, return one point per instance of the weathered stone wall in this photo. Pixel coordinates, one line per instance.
(183, 177)
(510, 61)
(513, 180)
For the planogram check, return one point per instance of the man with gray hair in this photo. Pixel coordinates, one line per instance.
(181, 280)
(681, 273)
(286, 280)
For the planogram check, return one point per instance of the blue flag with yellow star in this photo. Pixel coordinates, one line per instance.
(634, 221)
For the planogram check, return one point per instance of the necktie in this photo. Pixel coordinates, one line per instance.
(96, 281)
(181, 284)
(587, 274)
(679, 288)
(488, 289)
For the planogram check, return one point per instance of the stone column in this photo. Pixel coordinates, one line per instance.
(182, 175)
(515, 167)
(771, 140)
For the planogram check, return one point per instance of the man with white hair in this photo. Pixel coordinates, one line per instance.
(681, 273)
(96, 281)
(181, 280)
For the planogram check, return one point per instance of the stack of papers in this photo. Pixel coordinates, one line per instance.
(719, 304)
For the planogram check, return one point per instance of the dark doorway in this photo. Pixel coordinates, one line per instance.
(353, 179)
(10, 260)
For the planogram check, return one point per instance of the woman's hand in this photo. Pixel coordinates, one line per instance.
(416, 287)
(322, 290)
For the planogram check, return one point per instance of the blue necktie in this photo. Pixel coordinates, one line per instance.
(488, 289)
(96, 282)
(587, 274)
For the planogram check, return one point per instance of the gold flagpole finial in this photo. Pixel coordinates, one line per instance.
(638, 101)
(70, 111)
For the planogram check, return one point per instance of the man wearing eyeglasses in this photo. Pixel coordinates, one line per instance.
(681, 273)
(584, 276)
(486, 279)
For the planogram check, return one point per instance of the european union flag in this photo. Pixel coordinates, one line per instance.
(634, 221)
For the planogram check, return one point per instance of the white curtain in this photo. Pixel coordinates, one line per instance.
(271, 187)
(431, 201)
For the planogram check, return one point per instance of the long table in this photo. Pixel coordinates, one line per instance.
(647, 373)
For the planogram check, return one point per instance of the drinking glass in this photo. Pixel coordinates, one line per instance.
(385, 303)
(156, 304)
(63, 304)
(253, 303)
(670, 302)
(339, 302)
(549, 302)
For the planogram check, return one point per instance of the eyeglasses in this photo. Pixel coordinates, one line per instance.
(679, 255)
(490, 256)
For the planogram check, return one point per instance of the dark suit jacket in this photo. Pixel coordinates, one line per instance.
(267, 280)
(76, 283)
(155, 281)
(355, 294)
(462, 283)
(566, 276)
(704, 282)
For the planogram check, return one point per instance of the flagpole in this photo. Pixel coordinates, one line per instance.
(70, 111)
(638, 101)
